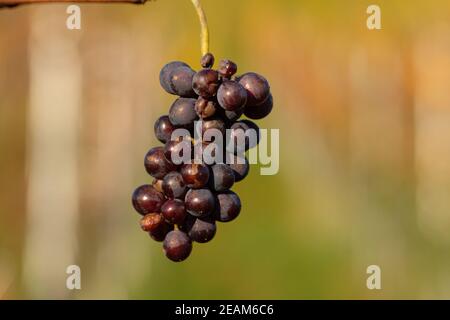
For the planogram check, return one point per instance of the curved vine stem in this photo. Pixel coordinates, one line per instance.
(204, 34)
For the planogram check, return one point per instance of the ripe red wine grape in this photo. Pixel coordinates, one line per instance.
(199, 202)
(174, 211)
(191, 192)
(228, 206)
(200, 230)
(164, 75)
(181, 82)
(206, 82)
(177, 246)
(231, 96)
(229, 116)
(222, 177)
(157, 164)
(182, 112)
(244, 135)
(260, 111)
(173, 185)
(163, 129)
(195, 175)
(227, 68)
(258, 89)
(160, 233)
(207, 61)
(146, 199)
(213, 123)
(240, 170)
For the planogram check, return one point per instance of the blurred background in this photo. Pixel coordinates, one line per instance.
(364, 119)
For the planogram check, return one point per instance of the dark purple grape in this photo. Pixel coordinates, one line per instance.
(182, 112)
(177, 246)
(174, 211)
(213, 123)
(227, 68)
(257, 87)
(230, 116)
(164, 75)
(181, 82)
(146, 200)
(243, 135)
(206, 82)
(163, 129)
(200, 230)
(200, 202)
(157, 184)
(159, 234)
(205, 108)
(222, 177)
(156, 163)
(231, 96)
(207, 61)
(261, 111)
(151, 222)
(240, 170)
(173, 185)
(178, 148)
(195, 175)
(228, 206)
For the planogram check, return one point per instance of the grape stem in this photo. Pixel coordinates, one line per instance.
(204, 34)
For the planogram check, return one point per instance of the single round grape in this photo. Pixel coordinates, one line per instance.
(258, 89)
(200, 230)
(261, 111)
(157, 184)
(163, 129)
(146, 199)
(213, 123)
(156, 163)
(222, 177)
(177, 246)
(151, 222)
(173, 185)
(182, 112)
(243, 135)
(181, 82)
(200, 202)
(228, 206)
(240, 170)
(206, 82)
(207, 61)
(164, 75)
(160, 233)
(177, 148)
(195, 175)
(174, 211)
(205, 108)
(227, 68)
(231, 96)
(230, 116)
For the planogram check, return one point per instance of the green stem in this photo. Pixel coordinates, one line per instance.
(204, 34)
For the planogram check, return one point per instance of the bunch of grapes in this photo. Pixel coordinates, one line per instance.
(185, 200)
